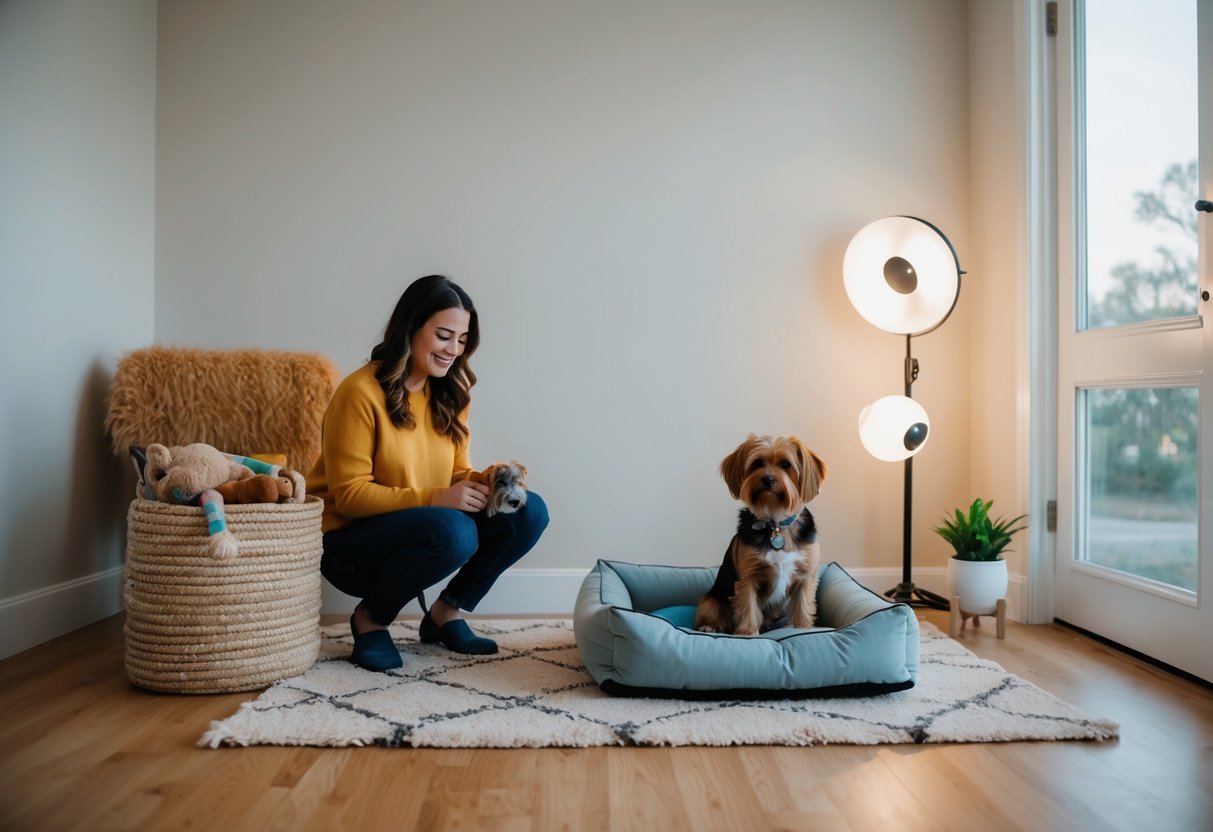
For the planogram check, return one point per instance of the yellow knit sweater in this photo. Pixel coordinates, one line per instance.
(369, 466)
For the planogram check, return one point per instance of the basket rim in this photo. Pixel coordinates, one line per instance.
(310, 504)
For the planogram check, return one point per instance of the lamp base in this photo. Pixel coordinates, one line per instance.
(907, 593)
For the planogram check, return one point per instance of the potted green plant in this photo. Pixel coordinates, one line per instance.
(977, 573)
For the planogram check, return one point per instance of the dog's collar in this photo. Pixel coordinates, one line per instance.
(776, 537)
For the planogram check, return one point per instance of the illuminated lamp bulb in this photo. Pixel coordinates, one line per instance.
(894, 428)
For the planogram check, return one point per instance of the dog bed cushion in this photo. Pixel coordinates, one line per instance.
(633, 628)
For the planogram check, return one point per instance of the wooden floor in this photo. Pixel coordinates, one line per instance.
(84, 750)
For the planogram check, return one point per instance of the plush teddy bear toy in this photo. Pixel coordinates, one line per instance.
(181, 474)
(188, 474)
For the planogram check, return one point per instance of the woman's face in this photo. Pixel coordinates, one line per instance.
(439, 342)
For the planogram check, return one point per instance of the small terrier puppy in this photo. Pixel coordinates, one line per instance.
(770, 567)
(507, 491)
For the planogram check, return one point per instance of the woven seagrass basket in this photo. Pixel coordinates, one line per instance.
(199, 624)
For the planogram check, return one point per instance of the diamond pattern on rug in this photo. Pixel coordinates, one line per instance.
(535, 692)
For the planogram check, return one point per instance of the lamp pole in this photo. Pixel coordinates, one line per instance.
(906, 592)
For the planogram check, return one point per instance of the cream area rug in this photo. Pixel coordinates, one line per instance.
(535, 692)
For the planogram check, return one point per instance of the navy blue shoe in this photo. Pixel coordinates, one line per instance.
(374, 650)
(456, 635)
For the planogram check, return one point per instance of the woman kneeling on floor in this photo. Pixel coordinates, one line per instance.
(400, 512)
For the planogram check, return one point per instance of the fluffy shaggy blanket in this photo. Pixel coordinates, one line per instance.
(240, 401)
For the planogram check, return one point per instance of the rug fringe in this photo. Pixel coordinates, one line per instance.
(218, 735)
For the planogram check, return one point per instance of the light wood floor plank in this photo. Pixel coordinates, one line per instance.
(643, 788)
(715, 790)
(937, 779)
(1018, 802)
(791, 772)
(560, 772)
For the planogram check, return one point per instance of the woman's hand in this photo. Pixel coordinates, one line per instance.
(464, 495)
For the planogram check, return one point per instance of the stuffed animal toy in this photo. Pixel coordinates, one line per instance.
(180, 474)
(261, 488)
(200, 474)
(188, 475)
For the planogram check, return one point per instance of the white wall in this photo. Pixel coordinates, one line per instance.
(77, 144)
(649, 203)
(999, 377)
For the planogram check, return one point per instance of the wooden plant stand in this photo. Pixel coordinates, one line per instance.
(959, 618)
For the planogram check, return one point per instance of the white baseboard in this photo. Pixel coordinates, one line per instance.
(554, 591)
(39, 616)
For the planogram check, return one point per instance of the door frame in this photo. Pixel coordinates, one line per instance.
(1037, 58)
(1053, 91)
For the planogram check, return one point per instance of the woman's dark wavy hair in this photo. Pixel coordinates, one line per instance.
(450, 394)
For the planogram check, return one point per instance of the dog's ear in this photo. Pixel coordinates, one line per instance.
(732, 467)
(521, 468)
(812, 470)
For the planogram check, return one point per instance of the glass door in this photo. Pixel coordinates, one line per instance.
(1135, 400)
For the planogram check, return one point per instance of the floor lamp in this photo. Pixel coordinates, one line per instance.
(902, 275)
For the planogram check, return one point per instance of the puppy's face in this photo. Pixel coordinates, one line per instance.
(508, 491)
(773, 476)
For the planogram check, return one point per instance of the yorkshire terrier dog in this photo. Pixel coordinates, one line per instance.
(770, 568)
(507, 490)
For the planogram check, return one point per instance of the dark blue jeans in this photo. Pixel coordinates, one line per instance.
(389, 559)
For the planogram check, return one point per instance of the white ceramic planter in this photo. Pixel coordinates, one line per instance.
(979, 583)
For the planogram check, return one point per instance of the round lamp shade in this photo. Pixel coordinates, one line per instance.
(902, 275)
(894, 428)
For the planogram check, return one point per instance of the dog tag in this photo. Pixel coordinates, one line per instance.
(777, 541)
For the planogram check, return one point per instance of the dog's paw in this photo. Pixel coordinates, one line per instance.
(803, 622)
(706, 628)
(746, 631)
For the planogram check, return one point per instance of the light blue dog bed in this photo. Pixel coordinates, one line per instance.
(633, 625)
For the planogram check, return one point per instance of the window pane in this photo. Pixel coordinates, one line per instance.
(1141, 482)
(1141, 149)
